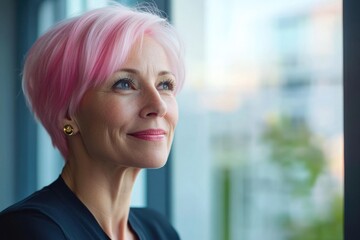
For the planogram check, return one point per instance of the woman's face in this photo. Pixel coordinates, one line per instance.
(130, 119)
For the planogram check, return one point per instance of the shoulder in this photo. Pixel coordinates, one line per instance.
(33, 217)
(28, 224)
(53, 212)
(151, 224)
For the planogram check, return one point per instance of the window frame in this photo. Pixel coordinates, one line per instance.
(351, 86)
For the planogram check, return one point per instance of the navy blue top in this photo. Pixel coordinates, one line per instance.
(55, 213)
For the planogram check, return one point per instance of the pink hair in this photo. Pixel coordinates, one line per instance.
(80, 53)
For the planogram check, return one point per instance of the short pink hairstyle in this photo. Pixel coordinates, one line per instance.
(80, 53)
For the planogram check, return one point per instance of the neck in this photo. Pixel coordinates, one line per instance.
(105, 191)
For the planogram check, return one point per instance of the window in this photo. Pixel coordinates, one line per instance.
(259, 145)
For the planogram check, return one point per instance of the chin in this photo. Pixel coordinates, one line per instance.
(154, 159)
(155, 165)
(154, 162)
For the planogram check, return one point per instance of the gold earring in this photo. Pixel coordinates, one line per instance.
(68, 130)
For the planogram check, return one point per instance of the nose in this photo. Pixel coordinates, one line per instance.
(153, 105)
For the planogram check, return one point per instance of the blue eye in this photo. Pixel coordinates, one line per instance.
(167, 85)
(124, 84)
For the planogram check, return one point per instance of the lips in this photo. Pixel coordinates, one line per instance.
(149, 134)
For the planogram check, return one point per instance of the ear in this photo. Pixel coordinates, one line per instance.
(72, 123)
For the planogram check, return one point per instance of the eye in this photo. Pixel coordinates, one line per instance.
(124, 84)
(167, 85)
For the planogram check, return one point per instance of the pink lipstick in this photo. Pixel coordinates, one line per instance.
(150, 134)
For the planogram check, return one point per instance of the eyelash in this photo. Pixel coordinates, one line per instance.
(171, 84)
(126, 80)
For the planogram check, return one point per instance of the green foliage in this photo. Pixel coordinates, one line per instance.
(295, 152)
(328, 227)
(300, 160)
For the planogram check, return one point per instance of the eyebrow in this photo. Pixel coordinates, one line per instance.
(129, 70)
(135, 71)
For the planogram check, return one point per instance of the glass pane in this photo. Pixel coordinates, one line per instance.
(259, 145)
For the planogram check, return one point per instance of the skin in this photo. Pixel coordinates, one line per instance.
(105, 154)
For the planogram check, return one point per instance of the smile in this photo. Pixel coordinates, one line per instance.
(150, 134)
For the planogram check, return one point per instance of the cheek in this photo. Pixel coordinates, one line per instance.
(98, 113)
(114, 112)
(173, 113)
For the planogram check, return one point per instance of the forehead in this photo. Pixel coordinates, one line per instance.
(147, 54)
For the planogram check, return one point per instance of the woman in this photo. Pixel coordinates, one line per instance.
(103, 85)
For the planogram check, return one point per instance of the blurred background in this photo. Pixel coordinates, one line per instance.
(259, 147)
